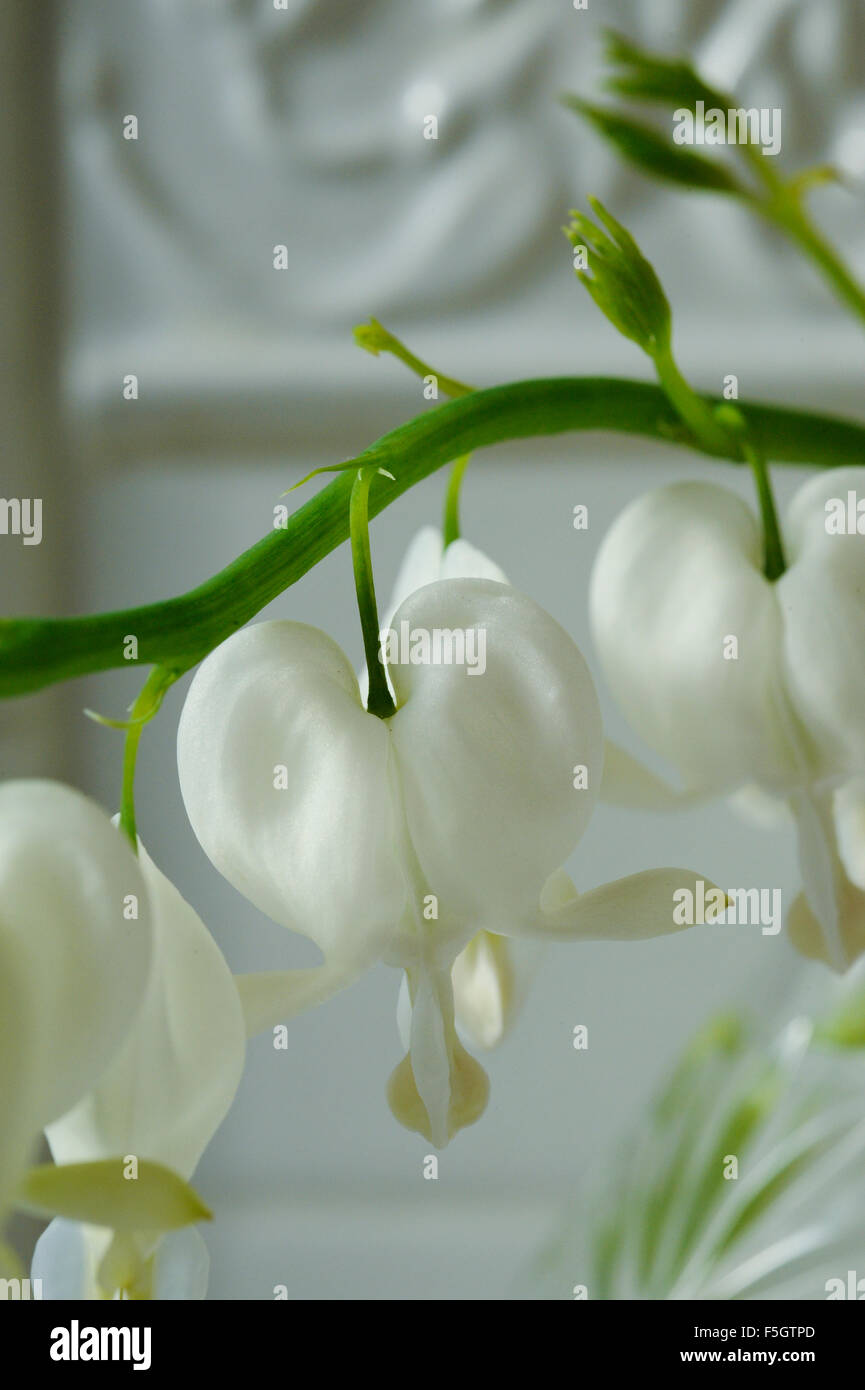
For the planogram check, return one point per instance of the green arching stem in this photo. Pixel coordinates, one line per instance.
(145, 707)
(451, 527)
(380, 701)
(179, 632)
(795, 220)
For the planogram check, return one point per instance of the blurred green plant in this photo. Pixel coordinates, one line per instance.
(643, 79)
(745, 1179)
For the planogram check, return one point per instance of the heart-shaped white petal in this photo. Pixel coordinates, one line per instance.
(170, 1085)
(425, 561)
(490, 974)
(286, 782)
(487, 761)
(461, 560)
(466, 794)
(677, 577)
(822, 598)
(75, 937)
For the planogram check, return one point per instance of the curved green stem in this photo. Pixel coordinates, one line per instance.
(696, 414)
(802, 230)
(179, 632)
(380, 701)
(375, 338)
(145, 707)
(451, 526)
(785, 208)
(730, 418)
(774, 560)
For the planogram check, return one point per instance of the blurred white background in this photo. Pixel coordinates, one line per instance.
(305, 127)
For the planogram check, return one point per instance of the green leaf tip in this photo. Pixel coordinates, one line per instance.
(653, 153)
(653, 77)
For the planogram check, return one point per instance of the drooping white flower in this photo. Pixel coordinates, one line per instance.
(491, 974)
(162, 1097)
(739, 681)
(75, 950)
(401, 839)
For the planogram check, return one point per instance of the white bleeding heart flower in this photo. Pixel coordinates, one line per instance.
(162, 1097)
(75, 949)
(401, 839)
(739, 681)
(491, 974)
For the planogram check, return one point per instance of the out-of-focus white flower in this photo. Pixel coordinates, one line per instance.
(739, 681)
(75, 950)
(401, 839)
(162, 1097)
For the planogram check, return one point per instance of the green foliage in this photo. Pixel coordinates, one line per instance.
(655, 154)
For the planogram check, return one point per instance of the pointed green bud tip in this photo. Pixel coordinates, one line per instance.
(620, 280)
(372, 337)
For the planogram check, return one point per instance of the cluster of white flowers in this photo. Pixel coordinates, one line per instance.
(432, 840)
